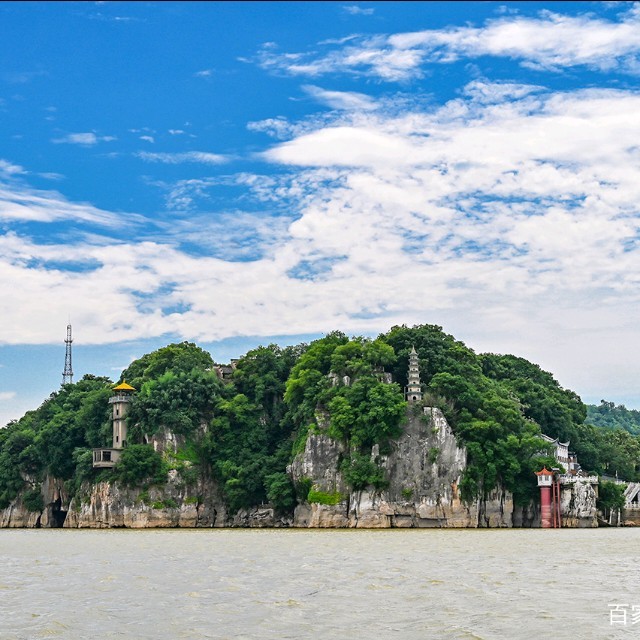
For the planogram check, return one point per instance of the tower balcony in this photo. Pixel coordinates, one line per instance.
(105, 458)
(119, 398)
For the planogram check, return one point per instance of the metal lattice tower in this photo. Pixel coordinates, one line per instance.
(67, 374)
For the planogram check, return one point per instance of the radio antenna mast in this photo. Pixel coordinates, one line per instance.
(67, 374)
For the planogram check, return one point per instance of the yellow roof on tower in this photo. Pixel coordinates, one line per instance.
(124, 387)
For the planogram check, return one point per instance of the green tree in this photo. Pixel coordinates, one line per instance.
(43, 441)
(178, 358)
(182, 402)
(363, 412)
(367, 412)
(280, 491)
(140, 464)
(609, 416)
(610, 498)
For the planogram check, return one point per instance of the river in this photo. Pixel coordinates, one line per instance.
(319, 584)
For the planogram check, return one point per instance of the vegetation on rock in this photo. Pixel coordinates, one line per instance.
(243, 431)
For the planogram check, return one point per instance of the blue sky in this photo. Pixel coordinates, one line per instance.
(240, 173)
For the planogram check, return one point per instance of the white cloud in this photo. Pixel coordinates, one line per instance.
(84, 139)
(21, 203)
(344, 146)
(551, 41)
(201, 157)
(182, 195)
(9, 169)
(355, 10)
(485, 91)
(205, 73)
(147, 139)
(51, 175)
(276, 127)
(7, 395)
(346, 100)
(509, 215)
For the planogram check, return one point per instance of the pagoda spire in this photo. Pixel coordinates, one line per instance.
(413, 390)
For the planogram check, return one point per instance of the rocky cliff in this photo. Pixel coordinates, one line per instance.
(424, 467)
(54, 499)
(107, 505)
(578, 503)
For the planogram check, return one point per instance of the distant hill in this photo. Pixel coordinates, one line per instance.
(609, 416)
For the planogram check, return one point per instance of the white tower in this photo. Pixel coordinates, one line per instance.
(413, 390)
(107, 458)
(120, 401)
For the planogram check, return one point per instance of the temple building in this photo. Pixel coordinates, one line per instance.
(563, 456)
(413, 390)
(107, 458)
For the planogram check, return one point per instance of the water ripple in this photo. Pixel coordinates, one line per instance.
(280, 584)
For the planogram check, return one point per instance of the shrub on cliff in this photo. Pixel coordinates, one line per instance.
(138, 465)
(32, 500)
(281, 492)
(360, 471)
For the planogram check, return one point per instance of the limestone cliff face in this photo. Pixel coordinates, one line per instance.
(175, 504)
(17, 516)
(424, 468)
(106, 505)
(54, 498)
(578, 504)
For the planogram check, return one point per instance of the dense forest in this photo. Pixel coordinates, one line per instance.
(243, 431)
(610, 416)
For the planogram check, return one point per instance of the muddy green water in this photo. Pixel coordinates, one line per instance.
(272, 584)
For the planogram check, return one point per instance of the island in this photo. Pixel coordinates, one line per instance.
(411, 429)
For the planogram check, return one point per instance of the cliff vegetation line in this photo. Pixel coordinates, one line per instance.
(242, 430)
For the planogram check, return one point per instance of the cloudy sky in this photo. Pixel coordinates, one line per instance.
(240, 173)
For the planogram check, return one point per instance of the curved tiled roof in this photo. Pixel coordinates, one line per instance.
(544, 472)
